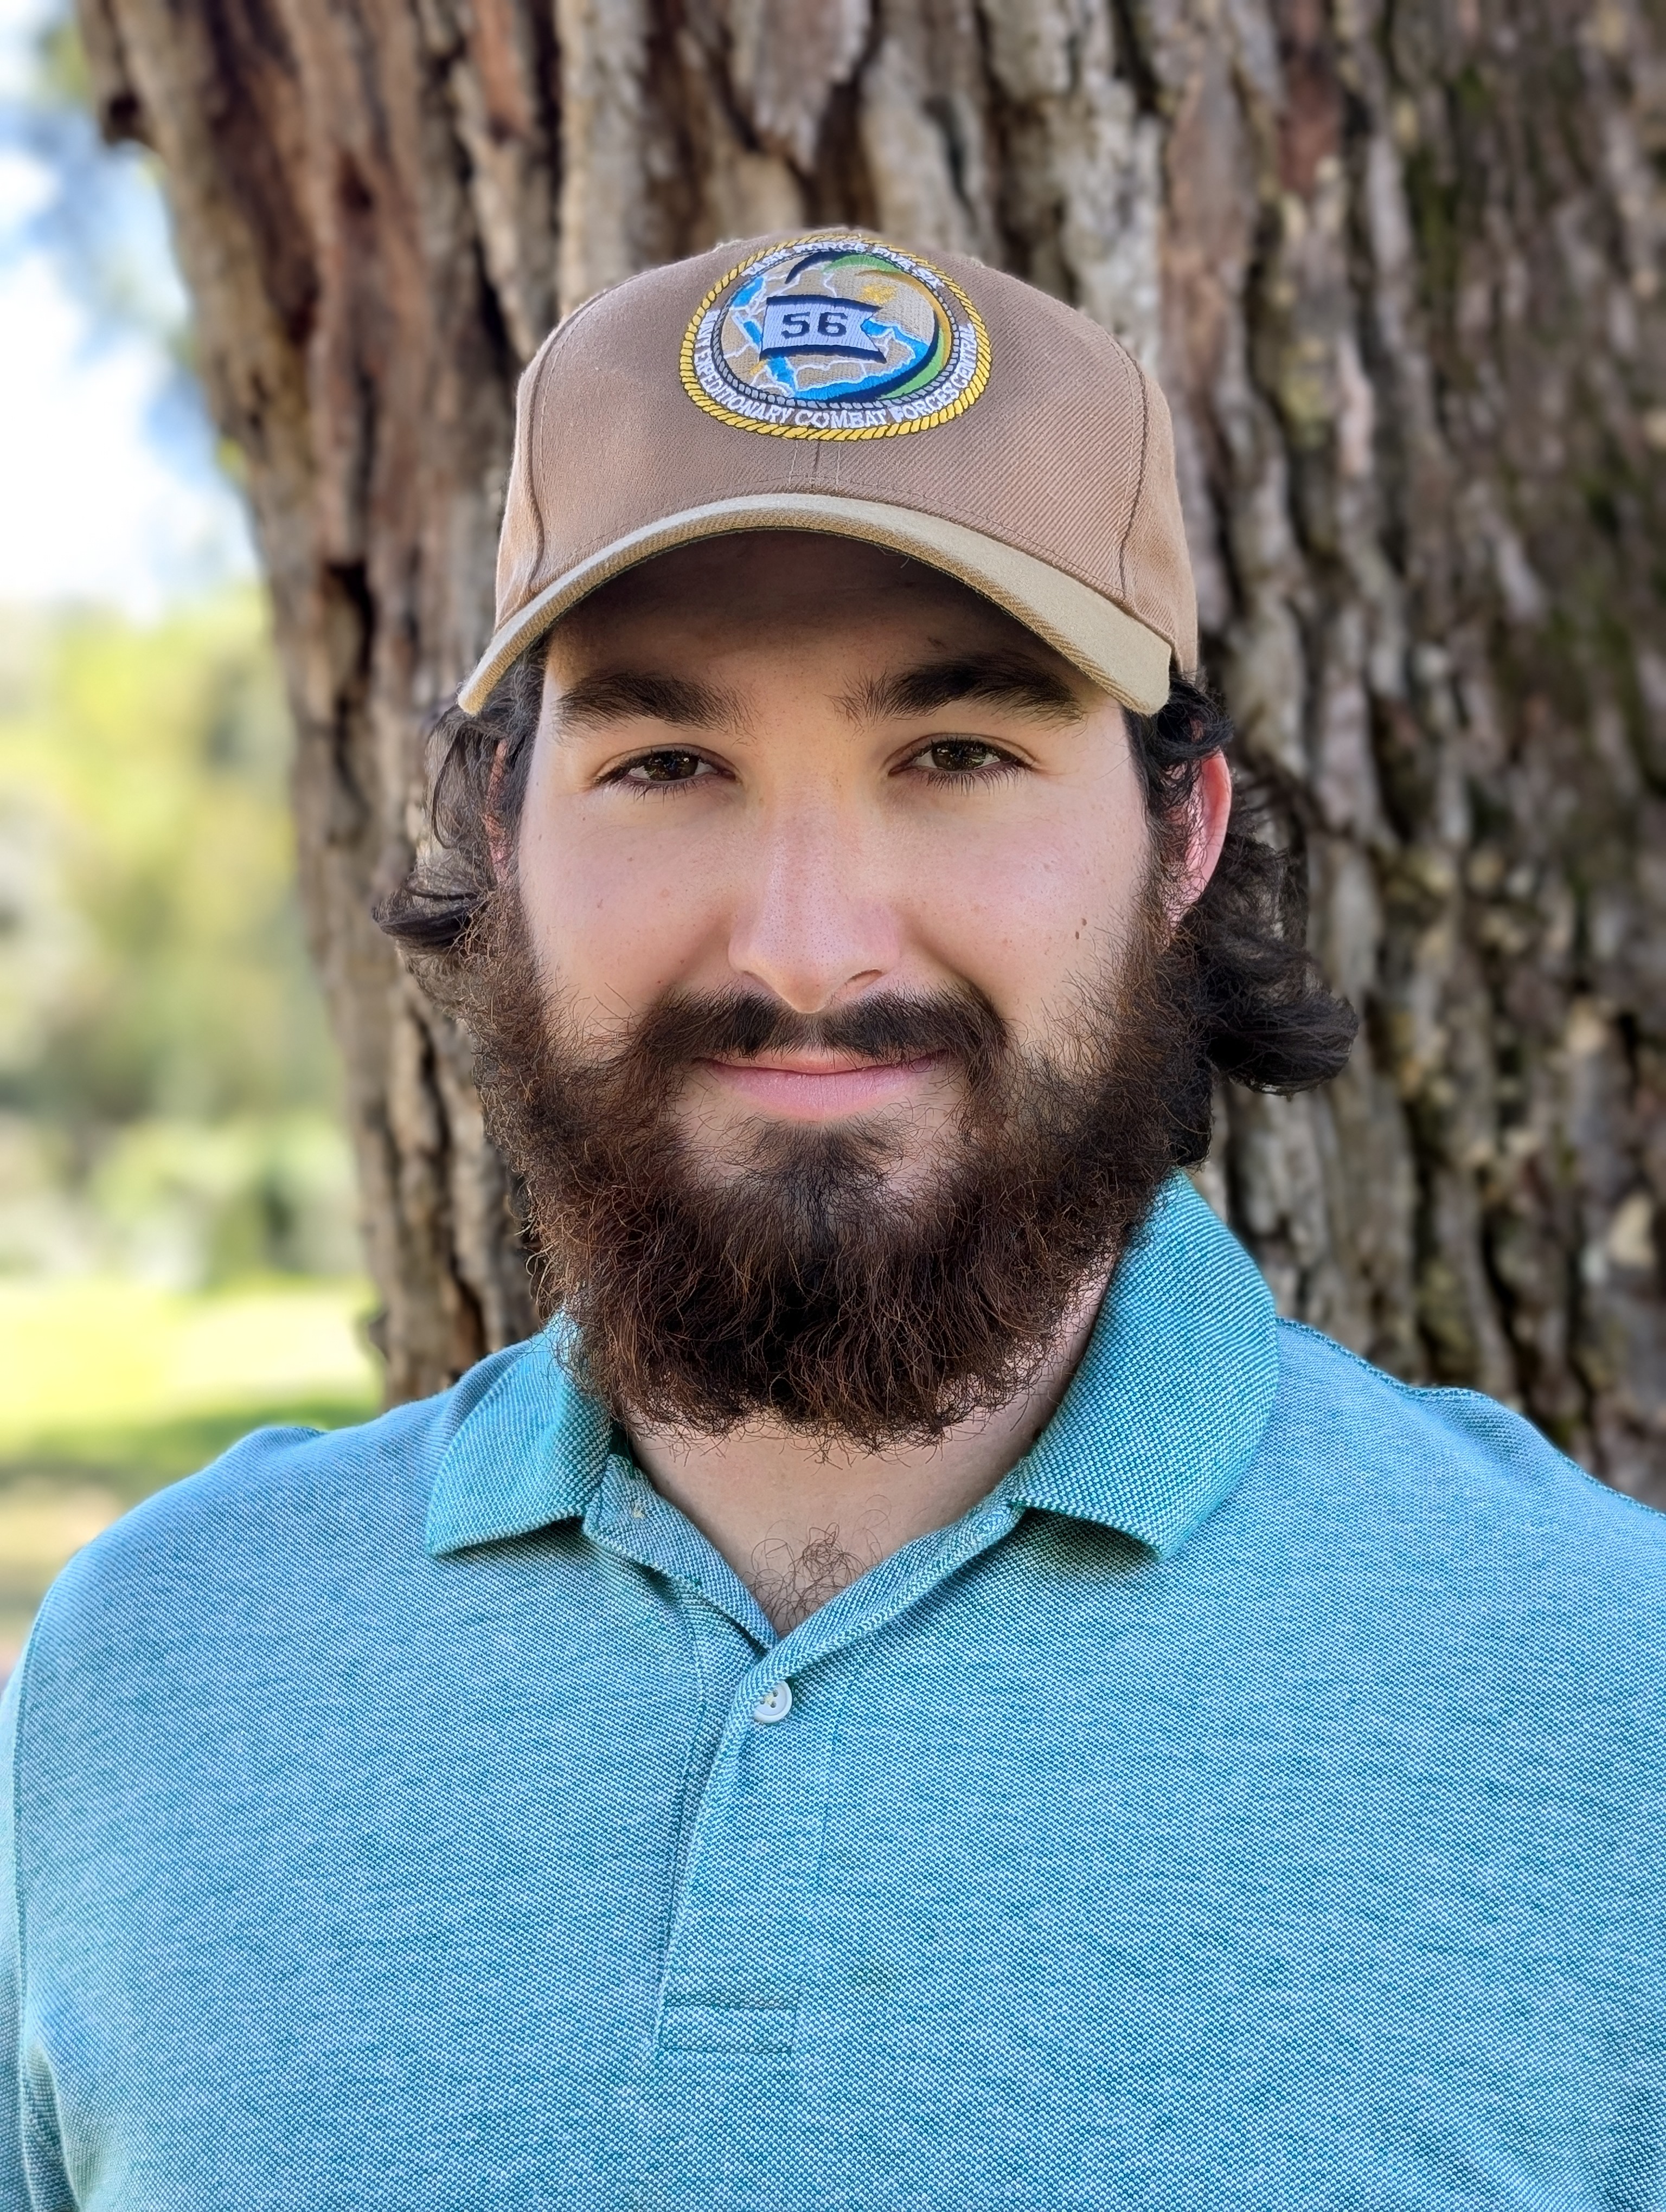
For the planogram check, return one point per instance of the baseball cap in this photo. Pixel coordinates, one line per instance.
(839, 383)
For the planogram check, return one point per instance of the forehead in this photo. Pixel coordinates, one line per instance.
(774, 589)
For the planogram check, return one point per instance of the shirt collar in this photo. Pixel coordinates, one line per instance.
(532, 1452)
(1169, 1401)
(1157, 1427)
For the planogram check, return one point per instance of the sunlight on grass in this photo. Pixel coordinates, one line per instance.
(109, 1389)
(81, 1354)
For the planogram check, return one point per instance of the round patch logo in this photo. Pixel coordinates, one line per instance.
(835, 337)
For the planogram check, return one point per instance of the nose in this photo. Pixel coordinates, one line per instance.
(810, 925)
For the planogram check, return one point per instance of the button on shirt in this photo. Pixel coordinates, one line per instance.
(1256, 1802)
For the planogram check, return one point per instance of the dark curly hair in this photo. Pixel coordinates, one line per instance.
(1264, 1015)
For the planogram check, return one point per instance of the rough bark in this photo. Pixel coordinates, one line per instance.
(1397, 263)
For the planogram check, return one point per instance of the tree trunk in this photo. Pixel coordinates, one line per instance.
(1398, 267)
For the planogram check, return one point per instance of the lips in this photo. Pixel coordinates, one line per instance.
(812, 1089)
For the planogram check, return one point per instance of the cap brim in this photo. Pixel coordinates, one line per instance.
(1121, 654)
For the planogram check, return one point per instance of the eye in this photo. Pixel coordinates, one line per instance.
(669, 764)
(963, 760)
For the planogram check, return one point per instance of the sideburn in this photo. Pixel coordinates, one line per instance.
(806, 1289)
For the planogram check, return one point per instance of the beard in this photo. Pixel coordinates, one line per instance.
(829, 1279)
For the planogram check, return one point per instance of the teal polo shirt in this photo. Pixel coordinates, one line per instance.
(1256, 1802)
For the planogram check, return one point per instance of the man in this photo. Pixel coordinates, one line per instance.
(918, 1691)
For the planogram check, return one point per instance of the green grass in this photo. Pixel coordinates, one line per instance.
(111, 1388)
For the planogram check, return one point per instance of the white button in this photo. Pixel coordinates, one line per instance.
(774, 1704)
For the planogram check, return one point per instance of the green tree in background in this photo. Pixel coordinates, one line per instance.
(180, 1257)
(165, 1069)
(173, 1176)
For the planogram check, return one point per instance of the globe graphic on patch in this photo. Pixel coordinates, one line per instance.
(835, 337)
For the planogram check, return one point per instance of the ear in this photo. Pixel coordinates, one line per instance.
(497, 838)
(1210, 810)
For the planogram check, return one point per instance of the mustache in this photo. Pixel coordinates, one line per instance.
(886, 1027)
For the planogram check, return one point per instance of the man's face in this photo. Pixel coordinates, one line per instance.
(830, 1013)
(792, 767)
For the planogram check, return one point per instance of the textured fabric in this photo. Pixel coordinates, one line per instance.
(1067, 456)
(1255, 1803)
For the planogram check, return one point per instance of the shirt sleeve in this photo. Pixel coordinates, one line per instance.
(32, 2177)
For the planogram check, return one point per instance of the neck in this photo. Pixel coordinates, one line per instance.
(798, 1518)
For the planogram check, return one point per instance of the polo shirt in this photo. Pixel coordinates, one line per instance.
(1256, 1802)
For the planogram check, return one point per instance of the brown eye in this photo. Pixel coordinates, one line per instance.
(961, 756)
(665, 768)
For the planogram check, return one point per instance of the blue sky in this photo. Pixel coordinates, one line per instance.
(108, 489)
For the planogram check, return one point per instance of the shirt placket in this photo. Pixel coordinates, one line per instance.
(735, 1957)
(734, 1965)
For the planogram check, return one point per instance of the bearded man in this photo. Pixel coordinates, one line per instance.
(918, 1689)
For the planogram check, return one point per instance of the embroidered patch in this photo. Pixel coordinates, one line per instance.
(835, 337)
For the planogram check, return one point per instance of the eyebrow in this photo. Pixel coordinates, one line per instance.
(623, 695)
(983, 679)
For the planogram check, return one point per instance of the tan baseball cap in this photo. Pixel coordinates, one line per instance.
(839, 383)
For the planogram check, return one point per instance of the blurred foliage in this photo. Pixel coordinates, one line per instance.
(173, 1169)
(170, 1156)
(167, 1099)
(151, 960)
(134, 1384)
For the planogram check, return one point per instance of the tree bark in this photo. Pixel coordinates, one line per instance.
(1397, 263)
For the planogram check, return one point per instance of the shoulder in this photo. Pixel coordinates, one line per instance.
(1448, 1455)
(281, 1521)
(284, 1593)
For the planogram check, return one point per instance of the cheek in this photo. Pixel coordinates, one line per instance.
(1027, 913)
(616, 914)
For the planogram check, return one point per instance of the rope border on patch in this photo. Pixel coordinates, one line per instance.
(703, 399)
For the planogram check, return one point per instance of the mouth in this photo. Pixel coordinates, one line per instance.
(821, 1086)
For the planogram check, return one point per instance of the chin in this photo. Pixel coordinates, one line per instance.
(902, 1148)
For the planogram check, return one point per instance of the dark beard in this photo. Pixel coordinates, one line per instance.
(803, 1286)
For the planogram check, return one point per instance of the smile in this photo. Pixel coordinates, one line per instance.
(809, 1087)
